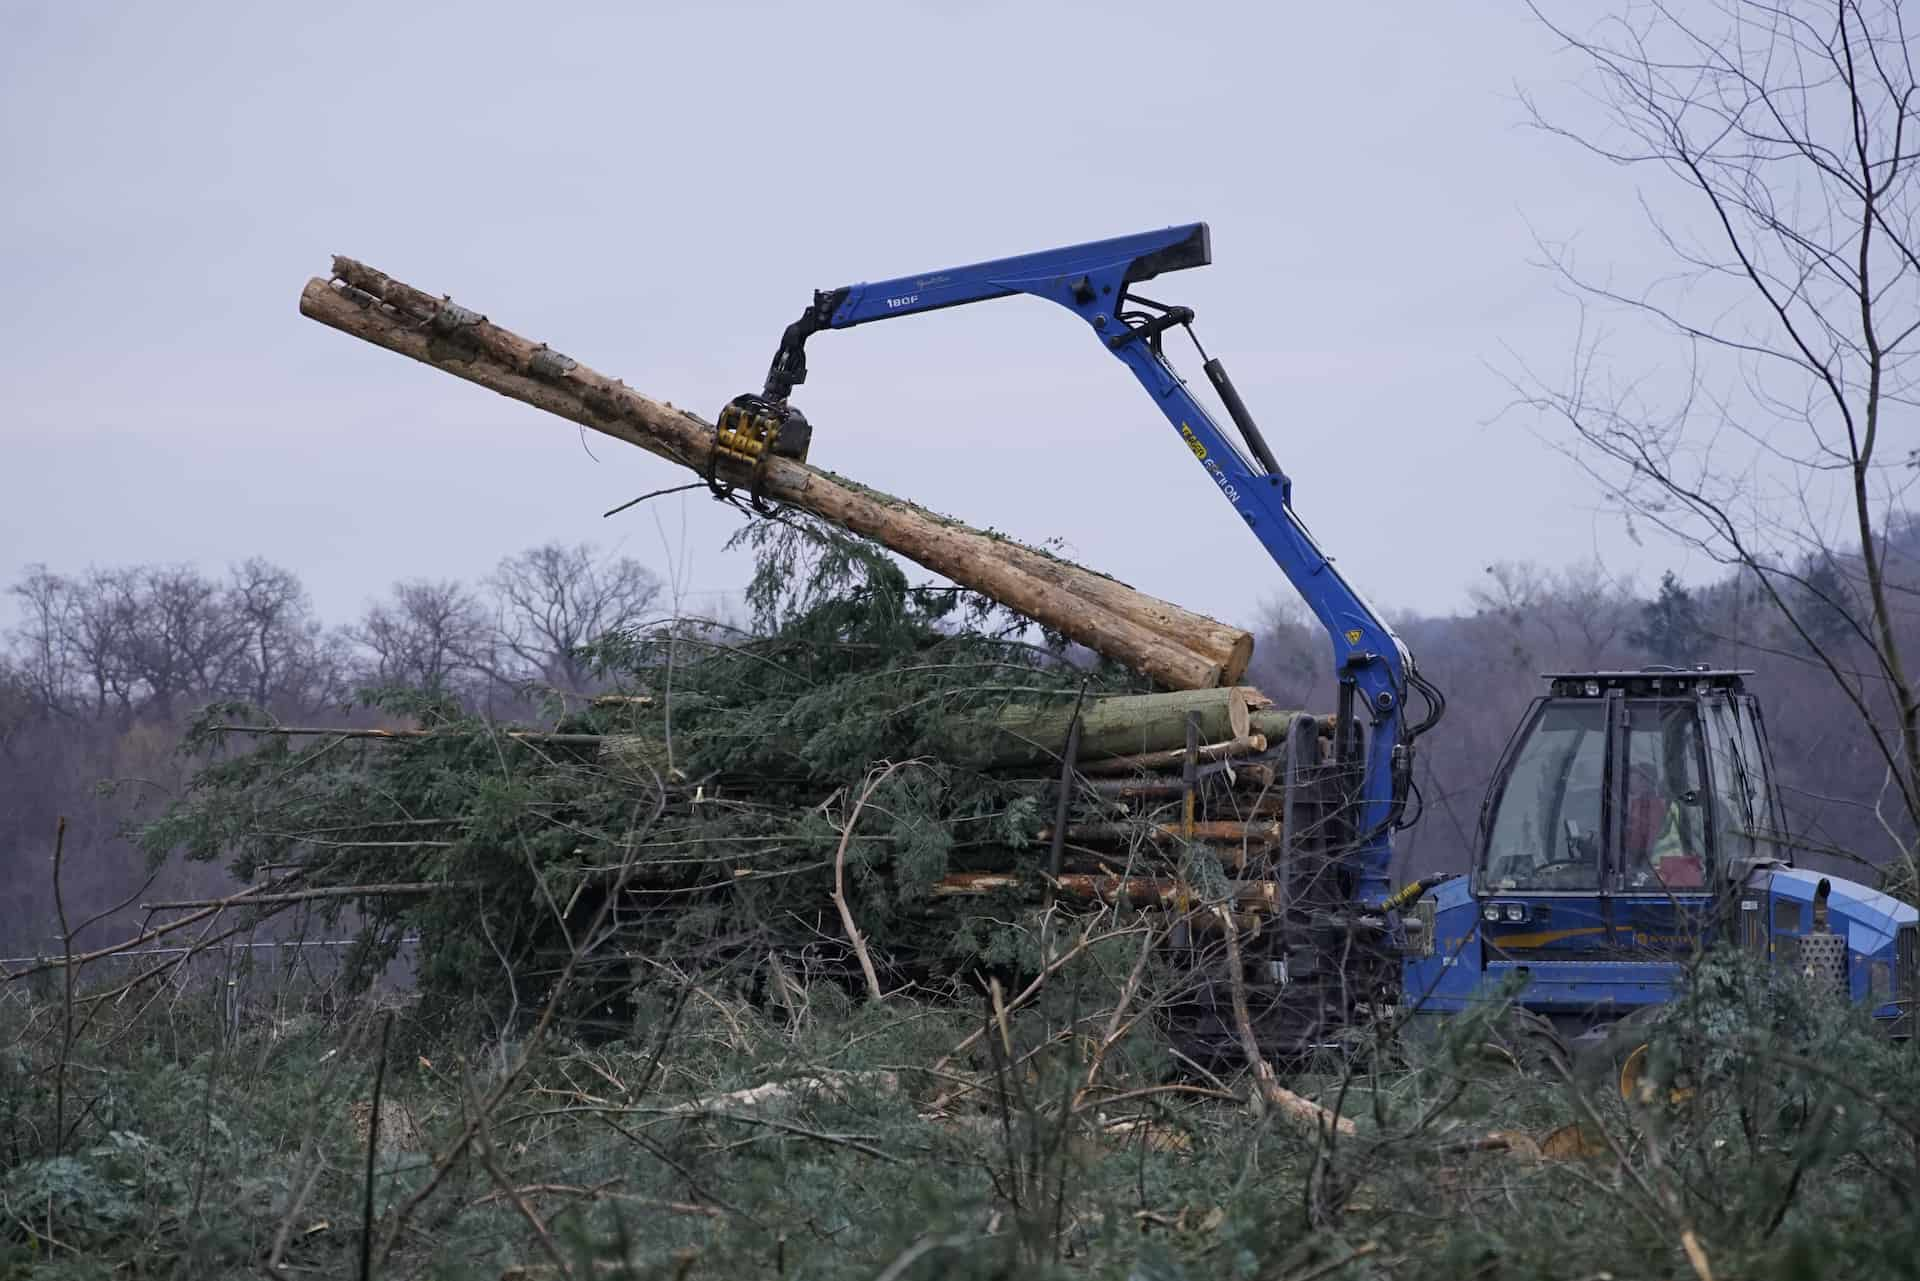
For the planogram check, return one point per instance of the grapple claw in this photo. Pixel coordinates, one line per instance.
(751, 427)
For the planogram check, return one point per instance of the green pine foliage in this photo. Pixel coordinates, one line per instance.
(1776, 1130)
(720, 804)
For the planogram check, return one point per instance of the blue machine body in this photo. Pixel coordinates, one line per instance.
(1567, 897)
(1582, 983)
(1093, 281)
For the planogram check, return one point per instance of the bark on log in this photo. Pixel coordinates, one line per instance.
(1173, 646)
(1275, 722)
(1214, 831)
(1033, 733)
(1141, 891)
(1146, 762)
(1248, 781)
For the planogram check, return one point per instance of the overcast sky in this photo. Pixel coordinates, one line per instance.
(656, 189)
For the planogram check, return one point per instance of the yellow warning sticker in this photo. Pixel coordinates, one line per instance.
(1193, 443)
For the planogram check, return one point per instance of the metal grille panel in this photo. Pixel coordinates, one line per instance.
(1753, 926)
(1906, 979)
(1821, 959)
(1425, 912)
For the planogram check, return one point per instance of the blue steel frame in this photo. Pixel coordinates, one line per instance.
(1091, 280)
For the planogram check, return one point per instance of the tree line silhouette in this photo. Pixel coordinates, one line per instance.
(103, 668)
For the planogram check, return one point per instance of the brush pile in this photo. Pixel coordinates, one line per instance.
(858, 791)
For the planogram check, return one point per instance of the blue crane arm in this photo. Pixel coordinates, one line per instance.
(1092, 281)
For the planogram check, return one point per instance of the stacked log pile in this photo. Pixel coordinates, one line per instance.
(1153, 780)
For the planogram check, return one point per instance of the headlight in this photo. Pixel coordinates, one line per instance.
(1515, 912)
(1491, 912)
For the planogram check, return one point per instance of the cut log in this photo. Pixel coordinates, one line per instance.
(1033, 734)
(1248, 780)
(1175, 647)
(1141, 891)
(1266, 803)
(1146, 762)
(1274, 723)
(1214, 831)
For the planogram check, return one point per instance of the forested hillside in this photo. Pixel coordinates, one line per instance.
(1527, 619)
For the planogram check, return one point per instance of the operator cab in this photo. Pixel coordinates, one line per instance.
(1653, 787)
(1634, 820)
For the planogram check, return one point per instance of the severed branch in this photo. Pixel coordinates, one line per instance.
(399, 889)
(207, 908)
(1086, 940)
(874, 780)
(1294, 1106)
(835, 1083)
(1118, 1023)
(1144, 762)
(321, 731)
(604, 1192)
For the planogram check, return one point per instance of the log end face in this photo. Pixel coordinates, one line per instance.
(1237, 659)
(1239, 716)
(313, 295)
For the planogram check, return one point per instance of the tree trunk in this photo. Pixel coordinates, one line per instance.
(1173, 646)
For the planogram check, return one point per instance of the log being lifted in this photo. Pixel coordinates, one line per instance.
(1174, 646)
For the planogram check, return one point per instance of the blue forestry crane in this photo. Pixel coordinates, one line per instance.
(1096, 282)
(1579, 886)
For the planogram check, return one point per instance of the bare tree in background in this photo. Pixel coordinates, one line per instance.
(428, 634)
(287, 654)
(555, 599)
(76, 639)
(182, 636)
(43, 661)
(18, 705)
(1791, 129)
(271, 607)
(100, 631)
(1583, 611)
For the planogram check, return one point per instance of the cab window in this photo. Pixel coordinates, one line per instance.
(1756, 773)
(1733, 797)
(1663, 829)
(1545, 828)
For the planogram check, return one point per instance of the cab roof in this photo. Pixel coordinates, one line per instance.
(1655, 679)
